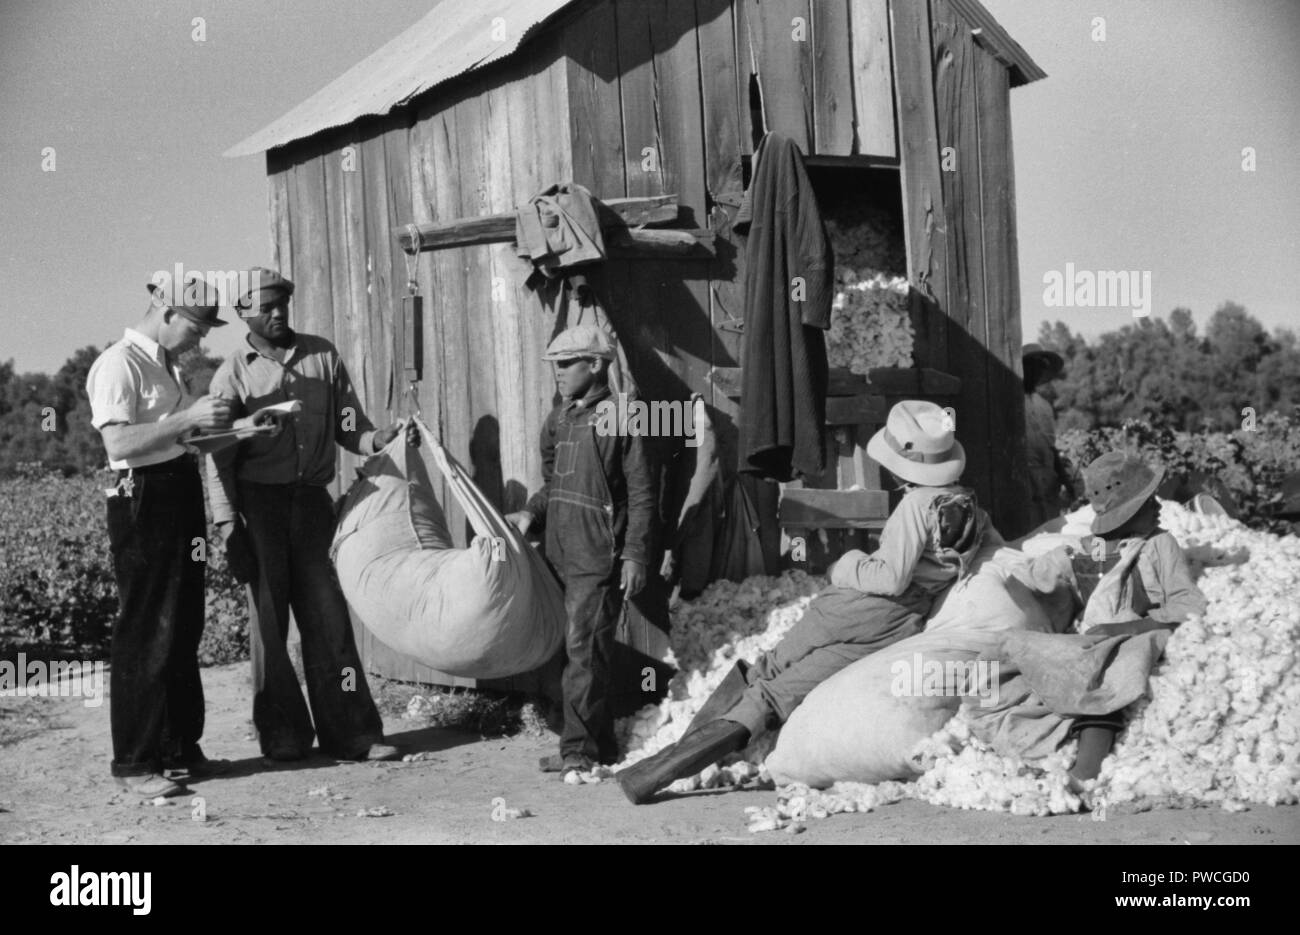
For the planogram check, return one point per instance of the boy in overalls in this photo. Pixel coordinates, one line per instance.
(596, 504)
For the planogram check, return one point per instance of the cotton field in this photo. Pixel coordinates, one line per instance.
(1221, 726)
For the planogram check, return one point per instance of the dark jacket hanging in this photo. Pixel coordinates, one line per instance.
(789, 269)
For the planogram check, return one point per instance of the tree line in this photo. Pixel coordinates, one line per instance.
(1160, 371)
(1167, 374)
(45, 419)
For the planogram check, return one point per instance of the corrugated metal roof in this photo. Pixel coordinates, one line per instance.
(1023, 68)
(457, 36)
(453, 38)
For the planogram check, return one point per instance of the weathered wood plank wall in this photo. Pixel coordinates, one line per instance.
(1002, 294)
(585, 99)
(954, 125)
(954, 90)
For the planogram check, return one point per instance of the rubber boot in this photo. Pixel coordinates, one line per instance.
(703, 746)
(1095, 743)
(725, 697)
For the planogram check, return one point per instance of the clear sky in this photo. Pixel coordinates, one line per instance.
(1127, 156)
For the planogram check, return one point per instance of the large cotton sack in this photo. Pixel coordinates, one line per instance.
(863, 723)
(487, 611)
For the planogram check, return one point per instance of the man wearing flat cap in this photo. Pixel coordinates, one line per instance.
(142, 407)
(269, 500)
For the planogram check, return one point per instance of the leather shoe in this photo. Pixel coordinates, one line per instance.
(381, 751)
(195, 765)
(151, 786)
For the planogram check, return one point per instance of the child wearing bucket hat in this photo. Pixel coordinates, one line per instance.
(1134, 586)
(874, 600)
(1133, 579)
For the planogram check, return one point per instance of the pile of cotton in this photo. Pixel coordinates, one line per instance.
(960, 772)
(1222, 724)
(870, 324)
(728, 621)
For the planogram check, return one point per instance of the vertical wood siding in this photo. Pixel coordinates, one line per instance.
(584, 100)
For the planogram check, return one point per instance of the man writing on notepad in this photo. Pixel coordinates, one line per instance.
(269, 500)
(143, 409)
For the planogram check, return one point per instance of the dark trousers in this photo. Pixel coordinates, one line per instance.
(289, 532)
(156, 697)
(840, 626)
(580, 546)
(592, 604)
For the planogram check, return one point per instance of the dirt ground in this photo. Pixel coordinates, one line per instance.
(55, 788)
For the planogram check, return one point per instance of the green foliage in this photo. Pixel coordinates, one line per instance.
(1163, 373)
(46, 420)
(1249, 464)
(57, 591)
(225, 629)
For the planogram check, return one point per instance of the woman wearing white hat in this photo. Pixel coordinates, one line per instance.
(874, 601)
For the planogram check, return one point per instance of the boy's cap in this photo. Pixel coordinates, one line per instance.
(581, 341)
(918, 444)
(266, 286)
(194, 297)
(1117, 485)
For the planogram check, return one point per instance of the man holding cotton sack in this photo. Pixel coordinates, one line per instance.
(270, 501)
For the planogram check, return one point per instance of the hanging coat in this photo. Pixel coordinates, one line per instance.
(789, 270)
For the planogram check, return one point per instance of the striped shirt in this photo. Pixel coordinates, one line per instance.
(134, 383)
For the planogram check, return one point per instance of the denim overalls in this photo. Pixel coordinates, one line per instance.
(598, 503)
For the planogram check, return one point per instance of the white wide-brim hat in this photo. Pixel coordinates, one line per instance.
(917, 444)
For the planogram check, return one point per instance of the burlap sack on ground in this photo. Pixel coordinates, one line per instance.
(863, 723)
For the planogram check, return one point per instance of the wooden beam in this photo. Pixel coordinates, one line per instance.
(808, 508)
(920, 381)
(855, 410)
(615, 214)
(924, 223)
(841, 381)
(873, 97)
(660, 244)
(883, 381)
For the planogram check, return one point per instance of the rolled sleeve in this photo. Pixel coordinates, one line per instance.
(111, 388)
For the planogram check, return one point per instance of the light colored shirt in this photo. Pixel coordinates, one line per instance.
(910, 550)
(1171, 594)
(133, 382)
(303, 453)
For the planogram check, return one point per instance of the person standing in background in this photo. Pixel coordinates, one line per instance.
(1048, 473)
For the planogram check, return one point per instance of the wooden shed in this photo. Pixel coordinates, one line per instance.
(435, 139)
